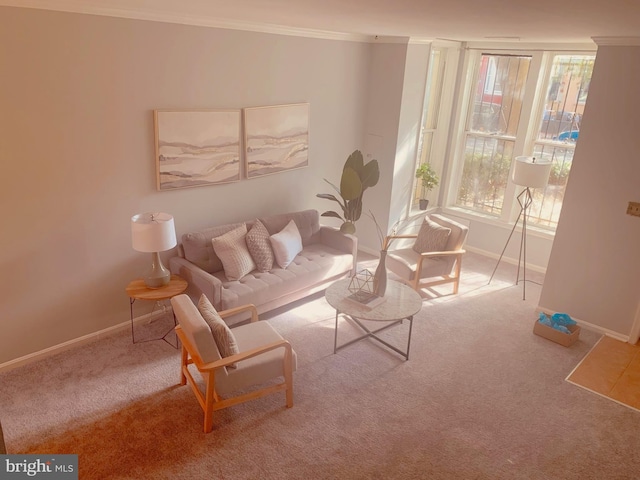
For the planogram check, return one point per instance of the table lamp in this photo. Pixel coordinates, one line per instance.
(528, 172)
(154, 233)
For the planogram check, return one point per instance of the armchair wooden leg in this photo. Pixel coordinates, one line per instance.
(185, 356)
(456, 284)
(288, 377)
(416, 283)
(210, 397)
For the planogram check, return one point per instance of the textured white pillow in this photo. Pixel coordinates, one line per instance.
(232, 250)
(286, 244)
(222, 334)
(259, 246)
(432, 237)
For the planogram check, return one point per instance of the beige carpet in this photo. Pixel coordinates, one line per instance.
(611, 369)
(482, 397)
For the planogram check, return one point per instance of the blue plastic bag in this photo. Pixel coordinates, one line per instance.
(558, 321)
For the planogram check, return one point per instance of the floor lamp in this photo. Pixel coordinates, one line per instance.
(528, 173)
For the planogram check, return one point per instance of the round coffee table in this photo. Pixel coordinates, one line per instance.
(401, 303)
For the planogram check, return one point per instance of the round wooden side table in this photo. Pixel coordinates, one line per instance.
(137, 290)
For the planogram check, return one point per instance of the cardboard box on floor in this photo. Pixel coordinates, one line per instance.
(556, 335)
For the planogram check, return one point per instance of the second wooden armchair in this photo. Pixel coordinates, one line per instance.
(434, 258)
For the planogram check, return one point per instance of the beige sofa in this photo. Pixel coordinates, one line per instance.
(327, 256)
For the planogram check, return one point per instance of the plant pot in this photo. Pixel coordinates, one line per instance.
(424, 203)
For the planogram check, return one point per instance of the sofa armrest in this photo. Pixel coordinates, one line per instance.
(199, 281)
(344, 242)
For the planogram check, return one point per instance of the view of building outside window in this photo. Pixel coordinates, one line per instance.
(491, 131)
(493, 122)
(559, 131)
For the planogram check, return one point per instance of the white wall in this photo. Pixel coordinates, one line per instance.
(386, 80)
(594, 269)
(77, 150)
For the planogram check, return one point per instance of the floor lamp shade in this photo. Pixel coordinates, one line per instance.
(530, 172)
(154, 233)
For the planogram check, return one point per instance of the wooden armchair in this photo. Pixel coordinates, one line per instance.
(264, 355)
(432, 268)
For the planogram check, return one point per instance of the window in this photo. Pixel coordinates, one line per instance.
(506, 117)
(490, 133)
(430, 114)
(568, 86)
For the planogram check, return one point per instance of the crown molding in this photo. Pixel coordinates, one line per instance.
(617, 41)
(149, 14)
(532, 46)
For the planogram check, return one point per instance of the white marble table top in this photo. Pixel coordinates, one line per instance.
(401, 301)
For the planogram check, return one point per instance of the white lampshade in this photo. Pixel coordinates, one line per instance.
(153, 232)
(531, 172)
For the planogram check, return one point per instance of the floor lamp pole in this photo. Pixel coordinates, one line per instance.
(524, 199)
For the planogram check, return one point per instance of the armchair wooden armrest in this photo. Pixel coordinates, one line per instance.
(389, 238)
(242, 308)
(223, 362)
(449, 253)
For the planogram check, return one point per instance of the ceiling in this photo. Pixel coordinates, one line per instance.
(547, 21)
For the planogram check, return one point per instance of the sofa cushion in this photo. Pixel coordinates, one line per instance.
(259, 246)
(222, 334)
(315, 264)
(198, 248)
(307, 221)
(286, 244)
(232, 250)
(432, 237)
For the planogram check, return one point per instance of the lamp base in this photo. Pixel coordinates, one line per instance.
(525, 199)
(158, 276)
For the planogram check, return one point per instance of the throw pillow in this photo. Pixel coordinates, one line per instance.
(259, 246)
(222, 334)
(286, 244)
(232, 250)
(432, 237)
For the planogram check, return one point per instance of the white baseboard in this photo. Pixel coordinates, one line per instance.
(76, 342)
(589, 326)
(512, 261)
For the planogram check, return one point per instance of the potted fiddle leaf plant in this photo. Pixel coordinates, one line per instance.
(357, 176)
(428, 180)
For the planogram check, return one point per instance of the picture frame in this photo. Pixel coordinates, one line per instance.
(276, 138)
(197, 147)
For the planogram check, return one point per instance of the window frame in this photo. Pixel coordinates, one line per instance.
(526, 136)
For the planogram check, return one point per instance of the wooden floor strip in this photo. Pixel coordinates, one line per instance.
(611, 369)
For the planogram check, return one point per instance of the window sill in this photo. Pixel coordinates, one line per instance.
(532, 229)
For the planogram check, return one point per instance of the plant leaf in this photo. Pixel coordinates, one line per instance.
(334, 187)
(328, 196)
(333, 214)
(350, 184)
(355, 161)
(370, 174)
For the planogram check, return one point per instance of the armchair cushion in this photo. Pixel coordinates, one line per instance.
(232, 250)
(259, 246)
(286, 244)
(222, 334)
(432, 237)
(264, 366)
